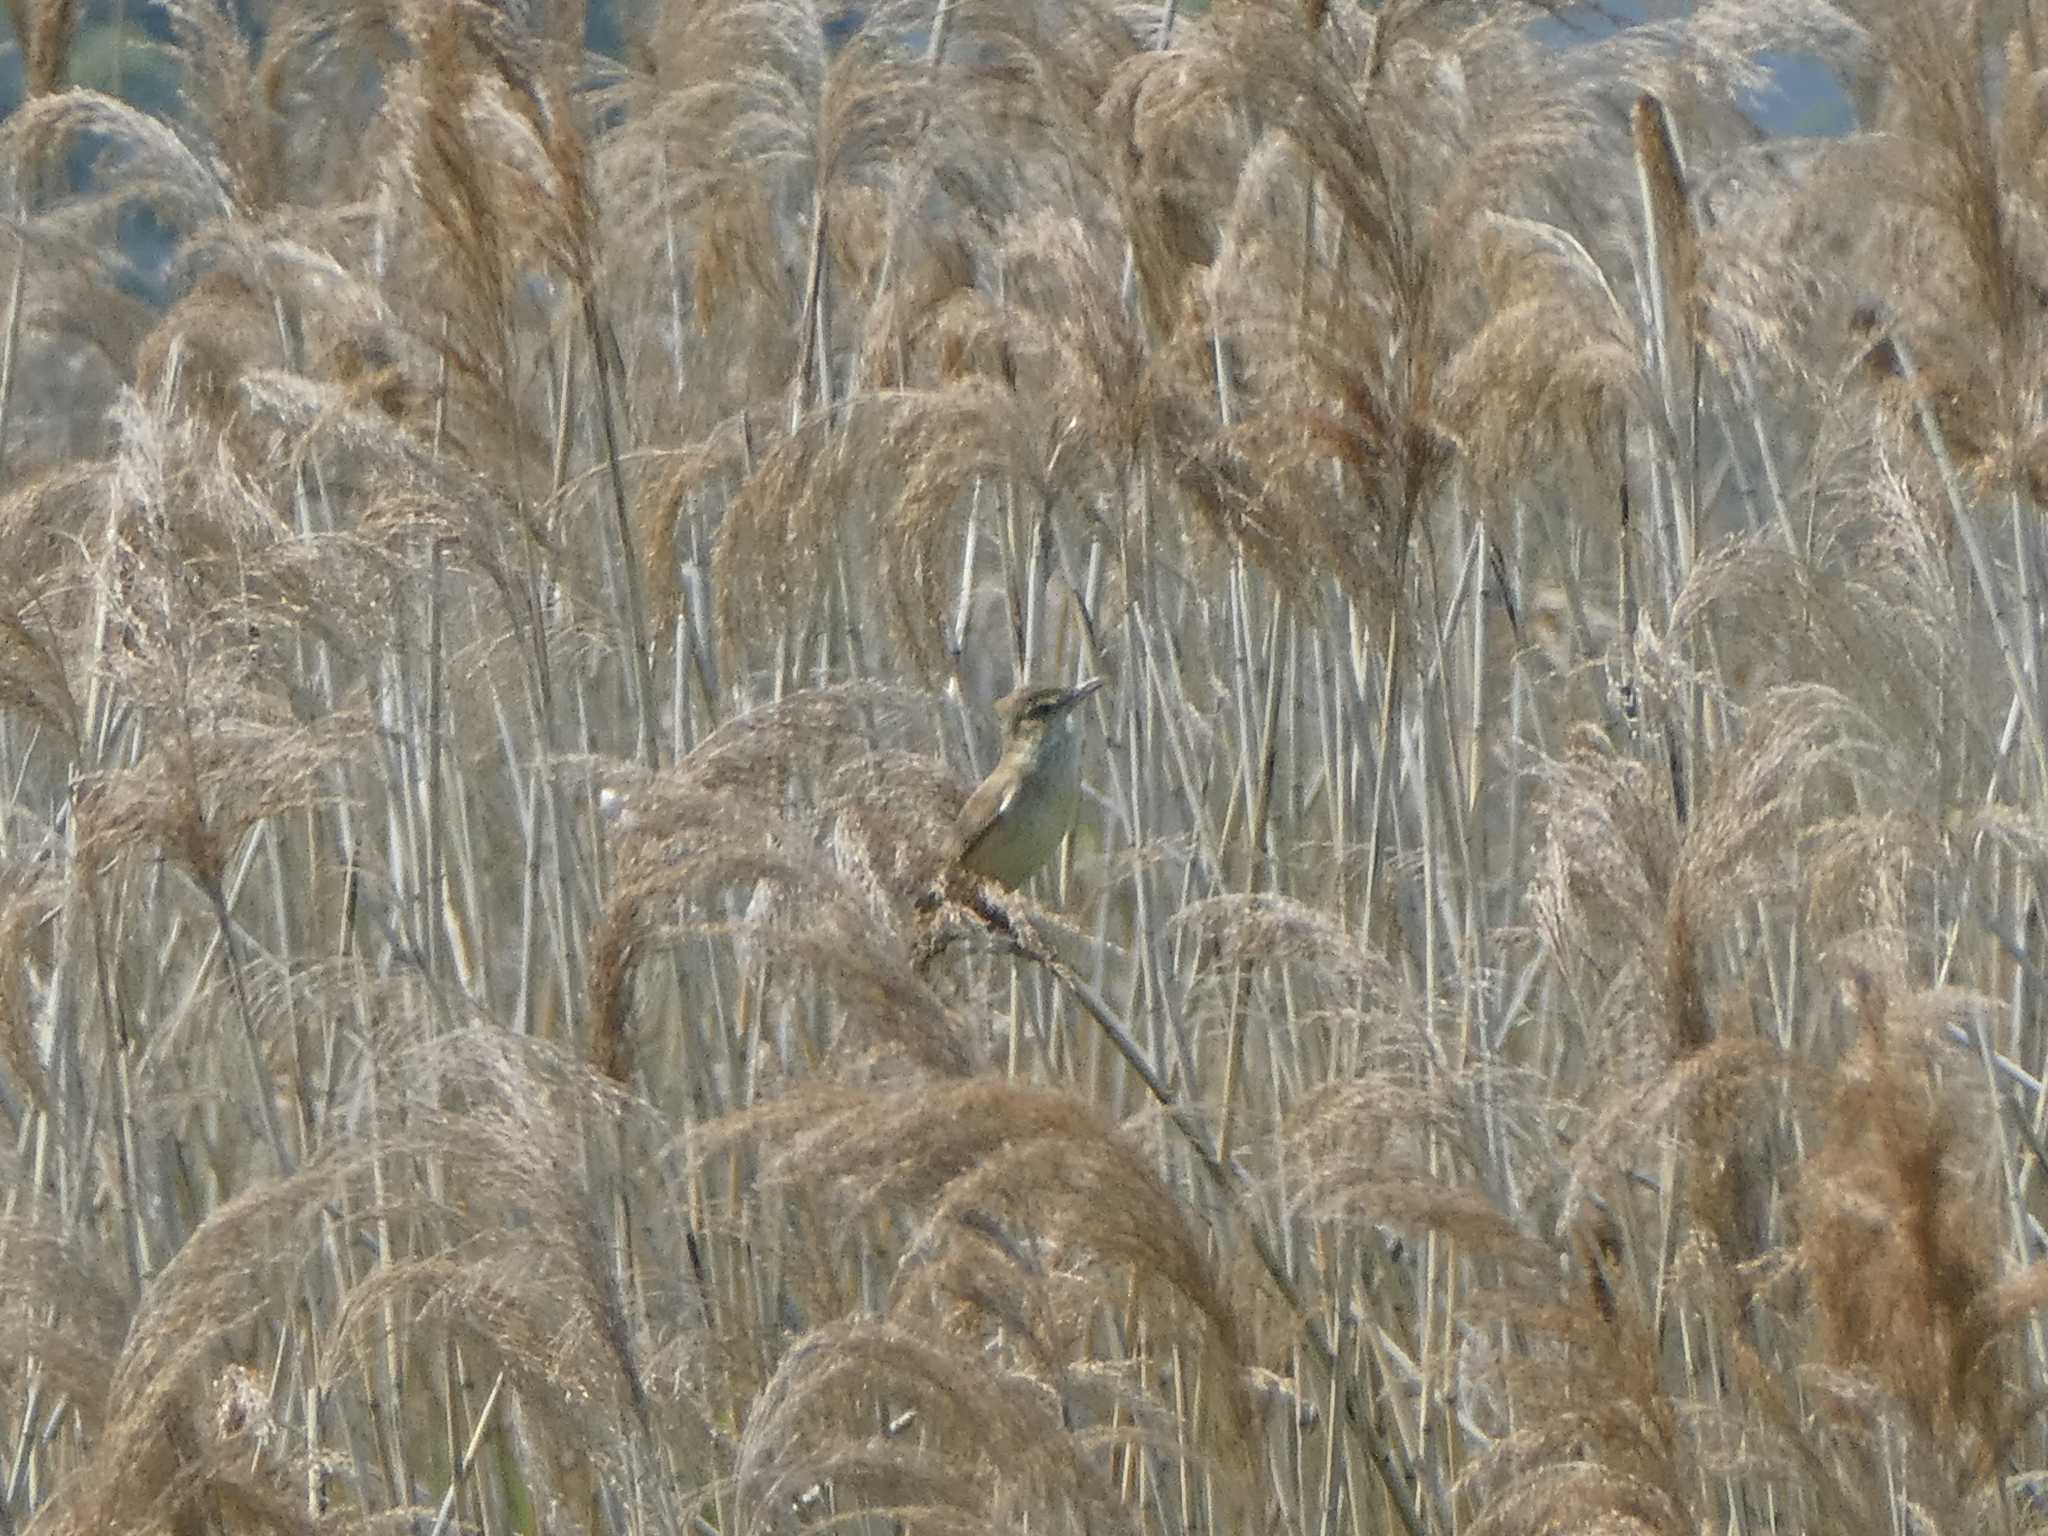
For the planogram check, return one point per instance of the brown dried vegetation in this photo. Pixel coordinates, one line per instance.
(505, 553)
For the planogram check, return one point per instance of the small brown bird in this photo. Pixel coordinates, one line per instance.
(1015, 820)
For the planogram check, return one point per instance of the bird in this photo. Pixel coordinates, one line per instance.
(1014, 821)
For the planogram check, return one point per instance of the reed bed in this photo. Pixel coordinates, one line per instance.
(506, 549)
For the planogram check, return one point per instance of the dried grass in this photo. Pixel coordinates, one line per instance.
(496, 603)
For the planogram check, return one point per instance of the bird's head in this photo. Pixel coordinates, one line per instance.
(1030, 712)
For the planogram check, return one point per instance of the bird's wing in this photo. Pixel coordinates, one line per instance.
(978, 817)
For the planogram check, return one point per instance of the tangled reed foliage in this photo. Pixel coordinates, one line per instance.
(511, 521)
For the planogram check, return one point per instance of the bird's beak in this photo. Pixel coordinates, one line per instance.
(1079, 694)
